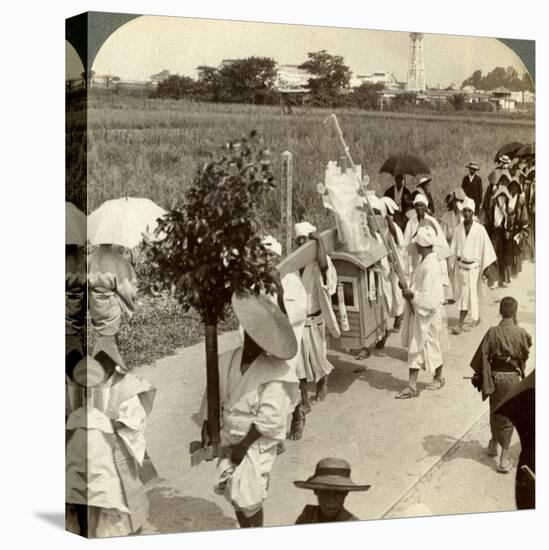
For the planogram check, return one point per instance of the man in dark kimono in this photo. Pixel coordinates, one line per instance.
(331, 483)
(403, 198)
(499, 364)
(472, 185)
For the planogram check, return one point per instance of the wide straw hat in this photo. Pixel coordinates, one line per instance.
(423, 179)
(459, 194)
(89, 373)
(504, 159)
(331, 474)
(474, 165)
(266, 325)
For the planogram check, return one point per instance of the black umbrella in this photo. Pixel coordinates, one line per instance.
(509, 149)
(520, 407)
(526, 151)
(400, 165)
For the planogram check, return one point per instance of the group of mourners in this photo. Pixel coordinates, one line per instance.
(264, 395)
(107, 466)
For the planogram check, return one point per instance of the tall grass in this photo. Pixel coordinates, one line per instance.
(151, 148)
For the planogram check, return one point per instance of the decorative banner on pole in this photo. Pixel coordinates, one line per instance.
(286, 206)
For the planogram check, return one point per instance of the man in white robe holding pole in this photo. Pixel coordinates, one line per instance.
(423, 330)
(474, 254)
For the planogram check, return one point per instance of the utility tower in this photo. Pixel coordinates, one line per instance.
(416, 64)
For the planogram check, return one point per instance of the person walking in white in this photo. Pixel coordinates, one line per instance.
(423, 330)
(320, 281)
(474, 253)
(295, 303)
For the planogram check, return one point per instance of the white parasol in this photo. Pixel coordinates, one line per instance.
(123, 221)
(75, 225)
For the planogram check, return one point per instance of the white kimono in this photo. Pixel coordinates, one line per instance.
(474, 253)
(320, 314)
(396, 305)
(441, 248)
(423, 329)
(295, 300)
(264, 396)
(106, 454)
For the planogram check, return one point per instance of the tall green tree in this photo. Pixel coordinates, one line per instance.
(210, 245)
(331, 76)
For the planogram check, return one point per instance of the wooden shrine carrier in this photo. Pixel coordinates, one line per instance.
(356, 272)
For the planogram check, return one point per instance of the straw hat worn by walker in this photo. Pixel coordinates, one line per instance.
(331, 482)
(266, 325)
(258, 390)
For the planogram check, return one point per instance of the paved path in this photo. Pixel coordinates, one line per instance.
(390, 444)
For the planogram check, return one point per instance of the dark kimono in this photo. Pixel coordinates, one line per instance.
(499, 364)
(404, 204)
(311, 514)
(518, 234)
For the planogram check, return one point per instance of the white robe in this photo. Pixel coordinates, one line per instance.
(315, 364)
(441, 248)
(424, 331)
(474, 253)
(264, 396)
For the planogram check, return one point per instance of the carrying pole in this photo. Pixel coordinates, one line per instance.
(393, 258)
(286, 206)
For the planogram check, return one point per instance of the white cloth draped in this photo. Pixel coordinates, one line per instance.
(423, 331)
(474, 252)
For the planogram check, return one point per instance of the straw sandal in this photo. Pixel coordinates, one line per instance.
(407, 393)
(436, 384)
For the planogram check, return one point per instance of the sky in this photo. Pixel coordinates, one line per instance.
(149, 44)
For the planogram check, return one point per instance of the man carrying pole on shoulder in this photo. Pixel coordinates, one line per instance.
(423, 329)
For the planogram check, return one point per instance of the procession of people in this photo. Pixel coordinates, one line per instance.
(479, 242)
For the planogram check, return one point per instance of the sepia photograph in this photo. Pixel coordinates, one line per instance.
(300, 274)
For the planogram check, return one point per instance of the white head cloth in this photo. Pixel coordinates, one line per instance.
(304, 229)
(420, 197)
(468, 203)
(271, 244)
(425, 236)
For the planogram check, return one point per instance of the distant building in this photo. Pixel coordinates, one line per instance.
(292, 78)
(501, 97)
(159, 77)
(388, 80)
(469, 89)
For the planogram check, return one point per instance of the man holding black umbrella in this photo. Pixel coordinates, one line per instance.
(403, 199)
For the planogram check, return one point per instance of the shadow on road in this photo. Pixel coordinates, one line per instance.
(171, 512)
(437, 445)
(346, 372)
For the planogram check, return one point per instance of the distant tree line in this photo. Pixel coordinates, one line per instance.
(253, 79)
(500, 77)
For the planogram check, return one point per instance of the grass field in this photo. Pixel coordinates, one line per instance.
(151, 148)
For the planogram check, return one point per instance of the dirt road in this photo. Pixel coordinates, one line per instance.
(396, 446)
